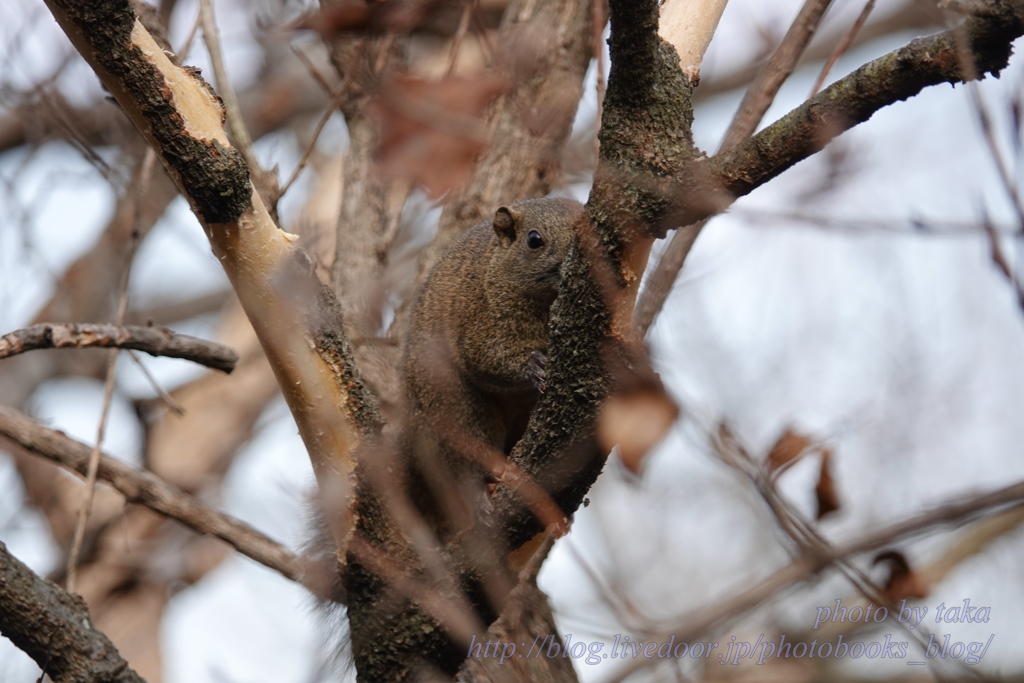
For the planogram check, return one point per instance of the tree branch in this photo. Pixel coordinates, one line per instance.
(761, 93)
(758, 97)
(547, 47)
(709, 186)
(689, 27)
(154, 340)
(911, 15)
(693, 625)
(54, 628)
(147, 489)
(297, 319)
(645, 132)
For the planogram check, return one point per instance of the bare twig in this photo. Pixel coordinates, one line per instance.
(1002, 263)
(145, 488)
(910, 15)
(468, 9)
(313, 71)
(296, 318)
(153, 339)
(985, 122)
(968, 543)
(211, 36)
(802, 532)
(952, 513)
(898, 226)
(758, 98)
(777, 69)
(232, 111)
(91, 473)
(335, 101)
(164, 312)
(451, 611)
(843, 45)
(54, 628)
(144, 174)
(167, 399)
(186, 46)
(663, 276)
(971, 542)
(970, 51)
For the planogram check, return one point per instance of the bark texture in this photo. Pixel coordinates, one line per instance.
(53, 627)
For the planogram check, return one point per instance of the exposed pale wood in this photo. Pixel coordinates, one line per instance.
(275, 284)
(689, 26)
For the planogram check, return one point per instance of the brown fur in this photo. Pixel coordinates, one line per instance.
(478, 338)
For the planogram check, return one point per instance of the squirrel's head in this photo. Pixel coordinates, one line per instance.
(532, 238)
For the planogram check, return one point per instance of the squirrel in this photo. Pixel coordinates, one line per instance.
(476, 349)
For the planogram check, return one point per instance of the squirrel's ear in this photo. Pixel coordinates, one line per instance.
(505, 220)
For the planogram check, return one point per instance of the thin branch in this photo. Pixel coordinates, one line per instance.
(928, 227)
(1002, 263)
(313, 71)
(297, 319)
(1005, 177)
(164, 312)
(331, 107)
(91, 473)
(658, 284)
(153, 339)
(468, 9)
(843, 45)
(186, 47)
(777, 69)
(53, 627)
(756, 100)
(710, 186)
(804, 533)
(971, 542)
(335, 102)
(952, 513)
(232, 111)
(142, 179)
(910, 16)
(165, 397)
(145, 488)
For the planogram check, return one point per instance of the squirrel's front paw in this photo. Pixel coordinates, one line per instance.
(535, 371)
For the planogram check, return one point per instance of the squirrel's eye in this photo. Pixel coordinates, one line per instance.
(534, 240)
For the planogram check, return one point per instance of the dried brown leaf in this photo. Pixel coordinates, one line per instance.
(825, 491)
(635, 422)
(384, 16)
(432, 131)
(903, 582)
(787, 449)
